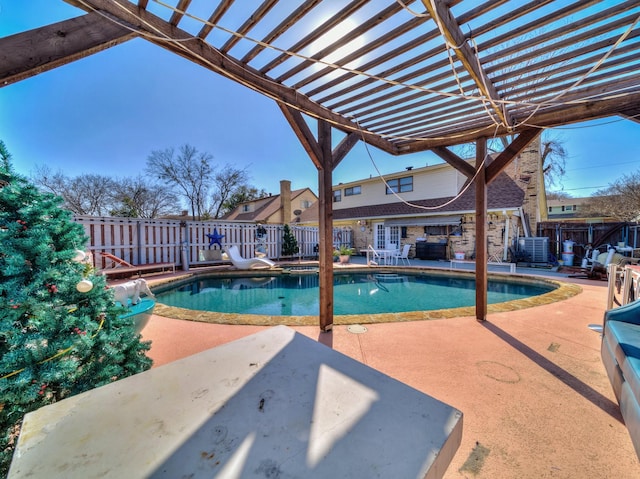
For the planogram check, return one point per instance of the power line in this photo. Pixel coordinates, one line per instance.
(603, 165)
(585, 188)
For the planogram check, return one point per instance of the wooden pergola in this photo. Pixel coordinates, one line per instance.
(403, 75)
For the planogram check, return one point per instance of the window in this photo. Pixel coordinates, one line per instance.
(246, 208)
(304, 204)
(354, 190)
(400, 185)
(435, 230)
(337, 196)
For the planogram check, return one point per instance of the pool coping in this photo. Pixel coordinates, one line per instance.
(563, 291)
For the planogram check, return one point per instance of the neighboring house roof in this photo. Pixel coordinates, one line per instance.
(264, 207)
(502, 193)
(270, 204)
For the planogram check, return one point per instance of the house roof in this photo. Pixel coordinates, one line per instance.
(502, 193)
(269, 206)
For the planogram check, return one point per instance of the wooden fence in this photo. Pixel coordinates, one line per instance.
(582, 234)
(142, 241)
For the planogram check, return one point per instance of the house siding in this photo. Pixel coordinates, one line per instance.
(428, 183)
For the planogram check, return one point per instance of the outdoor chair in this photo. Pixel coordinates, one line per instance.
(403, 255)
(117, 267)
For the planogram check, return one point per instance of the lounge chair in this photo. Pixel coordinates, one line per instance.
(118, 267)
(597, 266)
(247, 263)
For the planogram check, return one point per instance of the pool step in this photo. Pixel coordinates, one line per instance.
(389, 278)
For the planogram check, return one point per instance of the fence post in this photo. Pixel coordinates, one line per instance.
(184, 246)
(139, 241)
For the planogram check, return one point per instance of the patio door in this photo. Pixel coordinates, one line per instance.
(385, 235)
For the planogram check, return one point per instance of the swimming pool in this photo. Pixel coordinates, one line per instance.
(358, 296)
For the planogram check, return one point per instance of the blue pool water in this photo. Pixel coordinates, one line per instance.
(359, 293)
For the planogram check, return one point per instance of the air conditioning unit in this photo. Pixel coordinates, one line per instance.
(537, 248)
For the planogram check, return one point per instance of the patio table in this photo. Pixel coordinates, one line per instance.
(386, 255)
(274, 404)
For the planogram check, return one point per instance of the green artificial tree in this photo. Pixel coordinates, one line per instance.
(61, 332)
(289, 242)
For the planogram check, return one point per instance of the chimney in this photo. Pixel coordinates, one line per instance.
(285, 201)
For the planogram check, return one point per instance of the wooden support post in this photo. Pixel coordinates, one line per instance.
(481, 230)
(325, 212)
(325, 161)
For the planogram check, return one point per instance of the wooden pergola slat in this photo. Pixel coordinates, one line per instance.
(280, 29)
(177, 15)
(339, 43)
(214, 18)
(451, 31)
(251, 21)
(316, 33)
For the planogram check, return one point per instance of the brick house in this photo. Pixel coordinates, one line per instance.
(275, 209)
(431, 218)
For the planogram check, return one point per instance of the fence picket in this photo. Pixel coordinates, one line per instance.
(145, 241)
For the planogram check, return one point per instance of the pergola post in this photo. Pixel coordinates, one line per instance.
(481, 230)
(325, 159)
(325, 233)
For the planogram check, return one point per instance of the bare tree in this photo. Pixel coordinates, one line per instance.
(554, 159)
(620, 200)
(189, 171)
(553, 155)
(46, 180)
(558, 195)
(83, 195)
(137, 198)
(227, 181)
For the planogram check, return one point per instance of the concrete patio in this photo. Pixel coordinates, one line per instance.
(531, 384)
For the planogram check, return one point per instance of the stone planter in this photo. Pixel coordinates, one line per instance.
(210, 255)
(344, 258)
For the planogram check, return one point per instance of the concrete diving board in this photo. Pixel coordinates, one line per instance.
(274, 404)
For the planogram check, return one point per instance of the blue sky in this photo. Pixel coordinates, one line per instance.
(106, 113)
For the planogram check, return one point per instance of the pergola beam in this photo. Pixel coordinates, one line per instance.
(449, 28)
(29, 53)
(455, 161)
(510, 152)
(550, 117)
(302, 131)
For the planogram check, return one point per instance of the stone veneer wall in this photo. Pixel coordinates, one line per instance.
(526, 170)
(465, 242)
(495, 235)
